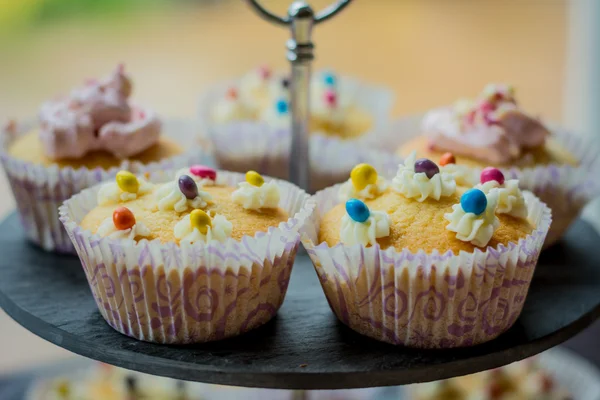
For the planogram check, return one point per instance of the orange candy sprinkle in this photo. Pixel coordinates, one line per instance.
(123, 218)
(447, 158)
(232, 93)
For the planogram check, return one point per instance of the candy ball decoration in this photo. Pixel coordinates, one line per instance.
(264, 72)
(254, 178)
(473, 201)
(329, 79)
(232, 93)
(200, 220)
(427, 167)
(492, 174)
(204, 172)
(357, 210)
(127, 182)
(363, 175)
(282, 106)
(123, 218)
(188, 187)
(447, 158)
(330, 98)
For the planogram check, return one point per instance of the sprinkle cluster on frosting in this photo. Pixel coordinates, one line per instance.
(491, 129)
(182, 194)
(97, 116)
(364, 183)
(474, 220)
(363, 226)
(123, 225)
(126, 187)
(255, 194)
(422, 179)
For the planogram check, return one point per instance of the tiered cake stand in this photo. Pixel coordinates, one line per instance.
(304, 347)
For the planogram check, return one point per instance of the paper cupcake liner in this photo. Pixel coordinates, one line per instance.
(165, 293)
(39, 190)
(244, 145)
(435, 300)
(564, 188)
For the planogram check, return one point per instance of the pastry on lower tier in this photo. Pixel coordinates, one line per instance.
(419, 261)
(203, 256)
(493, 130)
(80, 140)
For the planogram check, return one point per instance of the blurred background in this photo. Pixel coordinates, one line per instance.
(430, 52)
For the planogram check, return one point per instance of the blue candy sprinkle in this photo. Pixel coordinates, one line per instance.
(357, 210)
(473, 201)
(329, 79)
(282, 106)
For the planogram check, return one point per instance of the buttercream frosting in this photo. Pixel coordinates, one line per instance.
(111, 193)
(348, 190)
(365, 233)
(219, 230)
(417, 185)
(97, 116)
(510, 197)
(476, 229)
(108, 229)
(256, 197)
(170, 197)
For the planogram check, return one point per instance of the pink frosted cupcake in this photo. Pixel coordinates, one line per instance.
(248, 121)
(203, 256)
(493, 130)
(415, 261)
(80, 140)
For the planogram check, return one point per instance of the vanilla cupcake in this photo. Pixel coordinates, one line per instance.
(493, 130)
(214, 249)
(80, 140)
(420, 262)
(249, 124)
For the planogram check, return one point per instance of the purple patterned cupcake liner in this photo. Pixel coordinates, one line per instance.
(165, 293)
(427, 300)
(244, 145)
(564, 188)
(39, 190)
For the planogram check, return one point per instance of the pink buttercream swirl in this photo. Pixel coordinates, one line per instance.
(97, 116)
(492, 128)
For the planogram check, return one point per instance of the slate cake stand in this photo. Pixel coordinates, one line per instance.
(304, 347)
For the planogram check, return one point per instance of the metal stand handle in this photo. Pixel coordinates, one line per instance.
(301, 19)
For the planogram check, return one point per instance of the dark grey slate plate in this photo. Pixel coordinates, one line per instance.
(304, 347)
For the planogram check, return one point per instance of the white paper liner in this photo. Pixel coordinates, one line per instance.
(165, 293)
(39, 190)
(254, 145)
(426, 300)
(565, 189)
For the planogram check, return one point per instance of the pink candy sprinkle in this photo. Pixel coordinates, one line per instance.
(330, 98)
(487, 107)
(232, 93)
(492, 174)
(264, 72)
(203, 172)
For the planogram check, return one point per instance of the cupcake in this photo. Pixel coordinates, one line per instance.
(419, 262)
(493, 130)
(204, 256)
(80, 140)
(249, 123)
(523, 380)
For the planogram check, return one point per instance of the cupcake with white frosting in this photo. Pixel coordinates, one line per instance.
(414, 261)
(252, 128)
(200, 228)
(82, 139)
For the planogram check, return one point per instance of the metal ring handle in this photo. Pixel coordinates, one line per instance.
(321, 16)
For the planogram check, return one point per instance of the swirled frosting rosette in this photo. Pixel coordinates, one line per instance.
(262, 142)
(202, 287)
(434, 299)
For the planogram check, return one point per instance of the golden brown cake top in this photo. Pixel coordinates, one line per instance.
(192, 208)
(421, 209)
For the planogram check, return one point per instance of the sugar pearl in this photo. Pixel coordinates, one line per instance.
(204, 172)
(254, 178)
(123, 218)
(127, 182)
(473, 201)
(357, 210)
(200, 220)
(363, 175)
(188, 187)
(427, 167)
(492, 174)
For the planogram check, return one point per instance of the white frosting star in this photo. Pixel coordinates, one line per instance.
(417, 185)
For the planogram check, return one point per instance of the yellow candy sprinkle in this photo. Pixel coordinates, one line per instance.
(127, 182)
(363, 175)
(63, 389)
(254, 178)
(201, 220)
